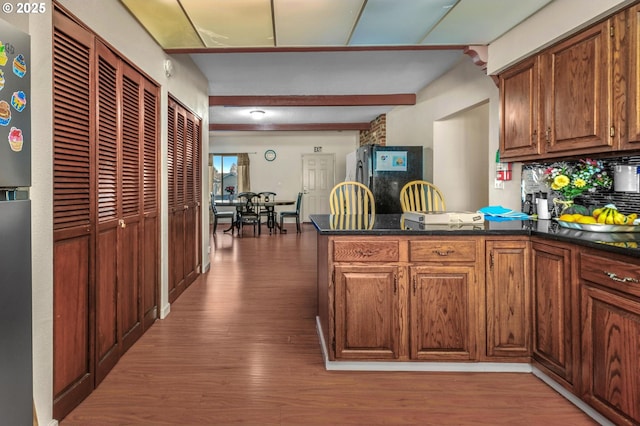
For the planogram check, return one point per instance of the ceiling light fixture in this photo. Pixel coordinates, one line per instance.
(257, 114)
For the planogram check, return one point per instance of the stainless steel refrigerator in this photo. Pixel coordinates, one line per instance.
(16, 371)
(385, 170)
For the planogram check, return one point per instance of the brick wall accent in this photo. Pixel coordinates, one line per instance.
(377, 133)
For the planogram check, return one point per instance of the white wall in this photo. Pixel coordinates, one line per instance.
(464, 87)
(114, 24)
(284, 175)
(460, 141)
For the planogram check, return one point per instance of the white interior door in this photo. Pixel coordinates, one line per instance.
(318, 178)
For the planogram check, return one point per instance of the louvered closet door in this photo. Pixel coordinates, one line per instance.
(185, 193)
(129, 253)
(176, 203)
(108, 342)
(192, 204)
(150, 185)
(72, 211)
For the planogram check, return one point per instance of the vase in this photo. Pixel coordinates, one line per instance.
(563, 205)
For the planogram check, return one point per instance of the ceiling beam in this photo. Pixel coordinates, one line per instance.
(290, 127)
(315, 100)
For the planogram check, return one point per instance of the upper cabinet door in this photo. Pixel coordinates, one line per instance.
(633, 96)
(519, 111)
(576, 93)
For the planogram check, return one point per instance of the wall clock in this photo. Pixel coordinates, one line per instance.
(269, 155)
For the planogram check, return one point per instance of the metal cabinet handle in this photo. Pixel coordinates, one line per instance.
(548, 135)
(122, 223)
(614, 277)
(443, 253)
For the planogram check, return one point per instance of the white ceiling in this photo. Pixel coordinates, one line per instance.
(318, 48)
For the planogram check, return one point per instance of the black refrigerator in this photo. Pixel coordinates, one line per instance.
(385, 170)
(16, 371)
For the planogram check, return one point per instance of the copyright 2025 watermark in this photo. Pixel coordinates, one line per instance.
(24, 8)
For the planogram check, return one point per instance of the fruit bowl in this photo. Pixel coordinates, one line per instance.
(598, 227)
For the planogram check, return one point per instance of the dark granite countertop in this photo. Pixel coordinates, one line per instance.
(394, 224)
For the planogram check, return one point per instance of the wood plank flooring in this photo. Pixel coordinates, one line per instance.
(240, 347)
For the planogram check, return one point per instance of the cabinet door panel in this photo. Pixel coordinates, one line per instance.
(519, 111)
(366, 316)
(552, 316)
(442, 313)
(611, 350)
(576, 92)
(508, 300)
(633, 70)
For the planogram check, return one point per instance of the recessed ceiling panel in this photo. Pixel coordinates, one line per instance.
(232, 23)
(165, 21)
(315, 23)
(404, 23)
(481, 22)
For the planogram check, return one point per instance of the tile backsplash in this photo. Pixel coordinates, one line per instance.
(626, 202)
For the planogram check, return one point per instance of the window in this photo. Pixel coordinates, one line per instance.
(224, 175)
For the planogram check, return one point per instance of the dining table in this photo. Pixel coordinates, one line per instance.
(270, 206)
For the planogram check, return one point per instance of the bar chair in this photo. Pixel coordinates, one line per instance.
(351, 198)
(420, 195)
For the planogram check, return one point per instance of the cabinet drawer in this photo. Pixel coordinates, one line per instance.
(366, 251)
(442, 251)
(615, 274)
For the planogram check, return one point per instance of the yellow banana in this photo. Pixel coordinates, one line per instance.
(602, 217)
(610, 216)
(619, 218)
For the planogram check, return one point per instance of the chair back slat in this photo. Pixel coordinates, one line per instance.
(420, 195)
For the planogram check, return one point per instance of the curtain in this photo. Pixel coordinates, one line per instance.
(244, 181)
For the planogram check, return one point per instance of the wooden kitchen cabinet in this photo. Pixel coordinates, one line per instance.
(508, 301)
(443, 313)
(519, 91)
(576, 99)
(366, 312)
(611, 335)
(401, 299)
(555, 333)
(579, 96)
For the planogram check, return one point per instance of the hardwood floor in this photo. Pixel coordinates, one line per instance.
(240, 347)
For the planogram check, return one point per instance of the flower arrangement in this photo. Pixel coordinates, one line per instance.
(572, 180)
(230, 189)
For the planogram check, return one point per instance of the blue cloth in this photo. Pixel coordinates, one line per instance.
(499, 213)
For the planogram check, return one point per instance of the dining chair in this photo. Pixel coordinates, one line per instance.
(220, 215)
(248, 213)
(420, 195)
(295, 214)
(268, 211)
(351, 198)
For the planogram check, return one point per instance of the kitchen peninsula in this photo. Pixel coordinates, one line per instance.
(518, 295)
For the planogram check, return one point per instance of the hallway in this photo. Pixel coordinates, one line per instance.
(240, 347)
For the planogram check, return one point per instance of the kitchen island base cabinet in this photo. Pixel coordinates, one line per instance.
(366, 312)
(442, 312)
